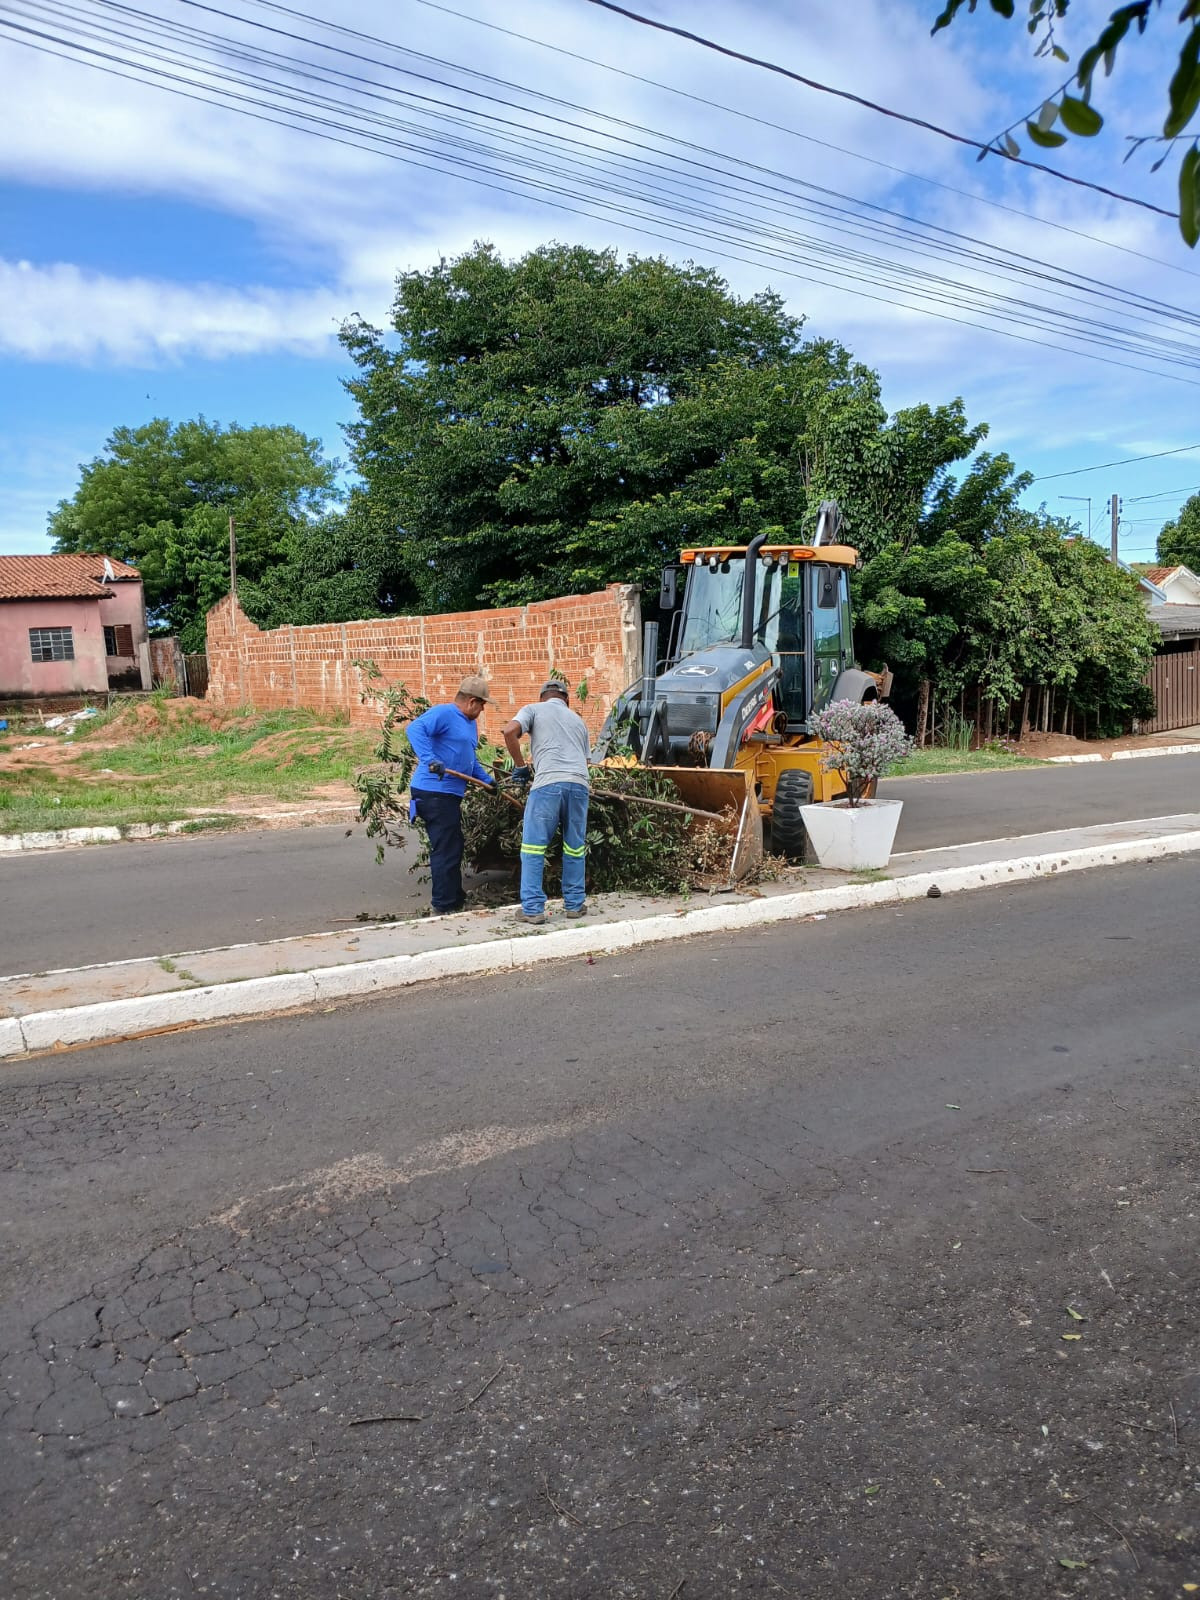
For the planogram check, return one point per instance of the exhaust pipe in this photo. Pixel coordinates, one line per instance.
(649, 672)
(750, 589)
(829, 523)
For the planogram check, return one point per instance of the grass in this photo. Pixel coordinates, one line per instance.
(928, 763)
(158, 761)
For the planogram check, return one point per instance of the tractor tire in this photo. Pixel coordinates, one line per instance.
(789, 836)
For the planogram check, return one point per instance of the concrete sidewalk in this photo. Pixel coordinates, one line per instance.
(85, 1005)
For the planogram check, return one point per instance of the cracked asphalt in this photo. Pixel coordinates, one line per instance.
(846, 1258)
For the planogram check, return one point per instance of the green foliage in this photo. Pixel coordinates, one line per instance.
(326, 572)
(549, 425)
(1078, 115)
(1031, 605)
(161, 497)
(530, 404)
(1179, 541)
(383, 788)
(1064, 617)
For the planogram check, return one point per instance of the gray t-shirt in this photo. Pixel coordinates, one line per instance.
(558, 742)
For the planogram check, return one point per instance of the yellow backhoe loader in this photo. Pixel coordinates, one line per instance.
(758, 642)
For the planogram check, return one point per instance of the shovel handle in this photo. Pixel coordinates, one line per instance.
(490, 787)
(657, 805)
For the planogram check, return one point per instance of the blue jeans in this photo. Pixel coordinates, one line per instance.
(554, 806)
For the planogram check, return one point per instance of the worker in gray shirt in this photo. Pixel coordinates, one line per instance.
(558, 766)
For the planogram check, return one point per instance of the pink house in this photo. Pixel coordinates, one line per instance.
(71, 625)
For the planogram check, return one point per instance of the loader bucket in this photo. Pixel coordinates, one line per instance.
(728, 790)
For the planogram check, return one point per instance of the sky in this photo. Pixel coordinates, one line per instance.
(165, 255)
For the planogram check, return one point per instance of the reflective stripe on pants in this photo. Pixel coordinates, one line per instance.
(553, 807)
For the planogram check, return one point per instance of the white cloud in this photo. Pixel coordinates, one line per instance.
(64, 313)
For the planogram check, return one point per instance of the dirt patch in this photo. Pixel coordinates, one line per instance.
(1040, 746)
(41, 754)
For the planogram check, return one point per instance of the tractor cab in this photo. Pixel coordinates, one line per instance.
(799, 618)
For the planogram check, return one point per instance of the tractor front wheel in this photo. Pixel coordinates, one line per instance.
(789, 836)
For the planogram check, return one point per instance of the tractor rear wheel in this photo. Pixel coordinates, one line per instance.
(789, 836)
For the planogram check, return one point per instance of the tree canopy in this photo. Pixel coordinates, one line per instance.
(1179, 541)
(1063, 113)
(161, 497)
(547, 425)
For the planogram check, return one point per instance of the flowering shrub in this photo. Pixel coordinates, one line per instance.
(863, 741)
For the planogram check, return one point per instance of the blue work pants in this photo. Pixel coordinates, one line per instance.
(442, 816)
(554, 806)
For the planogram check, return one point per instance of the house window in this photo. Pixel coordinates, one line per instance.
(51, 644)
(118, 640)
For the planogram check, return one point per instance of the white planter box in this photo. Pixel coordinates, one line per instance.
(853, 838)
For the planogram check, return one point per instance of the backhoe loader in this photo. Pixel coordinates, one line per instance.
(759, 641)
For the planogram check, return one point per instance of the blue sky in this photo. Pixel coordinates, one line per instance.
(159, 256)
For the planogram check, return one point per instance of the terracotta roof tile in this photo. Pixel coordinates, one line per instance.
(70, 577)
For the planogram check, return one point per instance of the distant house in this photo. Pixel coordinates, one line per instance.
(71, 625)
(1178, 586)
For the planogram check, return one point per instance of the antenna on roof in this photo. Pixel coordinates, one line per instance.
(109, 574)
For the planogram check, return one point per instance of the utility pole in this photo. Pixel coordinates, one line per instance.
(1115, 506)
(233, 558)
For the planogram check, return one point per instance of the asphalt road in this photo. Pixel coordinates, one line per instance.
(843, 1259)
(170, 895)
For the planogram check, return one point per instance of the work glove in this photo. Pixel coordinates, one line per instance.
(521, 775)
(438, 768)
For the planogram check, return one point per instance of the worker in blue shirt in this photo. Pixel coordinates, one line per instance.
(444, 740)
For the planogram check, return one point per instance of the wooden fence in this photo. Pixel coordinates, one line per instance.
(1175, 683)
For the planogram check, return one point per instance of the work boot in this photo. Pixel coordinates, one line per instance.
(531, 916)
(578, 911)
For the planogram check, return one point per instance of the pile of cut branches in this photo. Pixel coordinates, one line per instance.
(645, 849)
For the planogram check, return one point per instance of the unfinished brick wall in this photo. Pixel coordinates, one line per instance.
(592, 636)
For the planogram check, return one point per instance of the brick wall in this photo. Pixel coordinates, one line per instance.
(592, 636)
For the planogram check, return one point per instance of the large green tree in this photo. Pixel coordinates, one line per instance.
(547, 425)
(527, 405)
(1179, 541)
(161, 496)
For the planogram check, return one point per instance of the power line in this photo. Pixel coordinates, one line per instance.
(1147, 345)
(1127, 461)
(1163, 494)
(870, 105)
(321, 126)
(1055, 273)
(795, 133)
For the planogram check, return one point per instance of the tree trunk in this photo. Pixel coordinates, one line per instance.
(1066, 715)
(922, 712)
(1025, 714)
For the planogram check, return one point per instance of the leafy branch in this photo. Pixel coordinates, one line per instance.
(1076, 115)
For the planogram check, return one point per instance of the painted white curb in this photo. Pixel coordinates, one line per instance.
(1125, 755)
(63, 838)
(258, 997)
